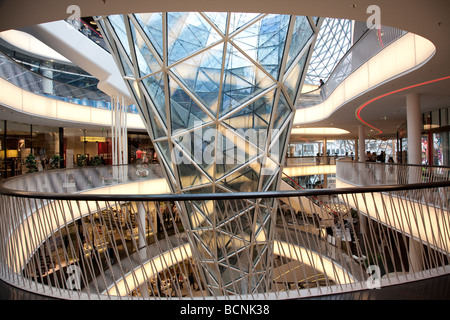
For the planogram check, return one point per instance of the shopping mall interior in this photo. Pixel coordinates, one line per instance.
(224, 150)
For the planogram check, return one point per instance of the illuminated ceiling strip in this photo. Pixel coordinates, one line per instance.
(358, 112)
(319, 131)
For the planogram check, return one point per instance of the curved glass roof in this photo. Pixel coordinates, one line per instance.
(333, 41)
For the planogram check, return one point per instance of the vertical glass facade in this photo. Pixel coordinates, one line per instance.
(217, 92)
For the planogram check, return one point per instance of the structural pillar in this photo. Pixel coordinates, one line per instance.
(361, 156)
(119, 131)
(140, 219)
(361, 143)
(47, 80)
(414, 129)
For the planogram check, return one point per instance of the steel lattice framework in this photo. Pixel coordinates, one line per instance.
(220, 86)
(333, 41)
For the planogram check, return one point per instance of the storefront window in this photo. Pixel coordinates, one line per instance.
(140, 149)
(45, 144)
(18, 147)
(88, 143)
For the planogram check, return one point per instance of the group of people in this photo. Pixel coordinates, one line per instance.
(374, 157)
(172, 284)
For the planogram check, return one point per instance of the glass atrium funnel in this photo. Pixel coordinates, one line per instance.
(217, 94)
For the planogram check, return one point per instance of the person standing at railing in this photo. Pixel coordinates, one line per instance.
(322, 89)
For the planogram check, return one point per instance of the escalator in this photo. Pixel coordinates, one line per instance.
(313, 206)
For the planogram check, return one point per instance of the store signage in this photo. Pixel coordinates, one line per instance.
(92, 139)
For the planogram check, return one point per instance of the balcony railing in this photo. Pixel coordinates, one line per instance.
(311, 160)
(367, 46)
(38, 84)
(97, 245)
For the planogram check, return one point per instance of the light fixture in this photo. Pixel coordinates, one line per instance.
(93, 22)
(358, 112)
(318, 131)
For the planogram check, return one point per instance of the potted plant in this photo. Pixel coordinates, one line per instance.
(95, 161)
(81, 161)
(31, 163)
(55, 162)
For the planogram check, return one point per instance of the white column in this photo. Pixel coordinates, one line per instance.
(140, 219)
(414, 128)
(119, 130)
(142, 251)
(361, 156)
(361, 143)
(47, 82)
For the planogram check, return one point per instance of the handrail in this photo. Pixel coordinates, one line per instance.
(20, 70)
(33, 82)
(96, 37)
(215, 196)
(120, 245)
(352, 60)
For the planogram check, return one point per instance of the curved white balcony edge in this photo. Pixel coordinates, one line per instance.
(33, 104)
(403, 56)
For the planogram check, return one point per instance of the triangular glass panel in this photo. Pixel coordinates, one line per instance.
(201, 74)
(155, 88)
(226, 209)
(146, 61)
(189, 175)
(118, 25)
(232, 152)
(125, 66)
(268, 170)
(199, 145)
(164, 150)
(272, 186)
(262, 221)
(264, 41)
(239, 19)
(253, 120)
(206, 207)
(156, 127)
(244, 179)
(152, 25)
(188, 32)
(300, 36)
(277, 145)
(316, 20)
(198, 219)
(206, 244)
(219, 19)
(184, 112)
(134, 87)
(292, 81)
(282, 112)
(242, 80)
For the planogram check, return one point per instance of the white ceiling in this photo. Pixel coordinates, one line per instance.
(430, 19)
